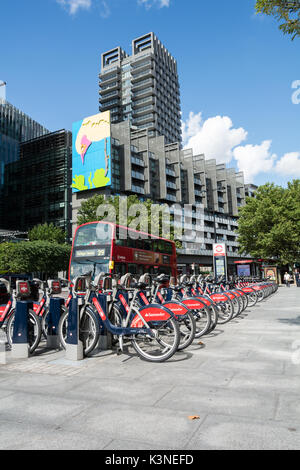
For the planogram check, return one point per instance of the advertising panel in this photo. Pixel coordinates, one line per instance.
(271, 273)
(243, 270)
(91, 152)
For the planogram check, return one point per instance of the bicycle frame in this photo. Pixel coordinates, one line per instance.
(6, 311)
(138, 324)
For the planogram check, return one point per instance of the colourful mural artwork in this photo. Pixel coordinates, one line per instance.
(91, 152)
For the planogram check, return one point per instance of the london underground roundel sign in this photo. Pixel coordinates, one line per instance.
(219, 249)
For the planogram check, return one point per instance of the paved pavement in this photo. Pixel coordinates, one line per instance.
(243, 383)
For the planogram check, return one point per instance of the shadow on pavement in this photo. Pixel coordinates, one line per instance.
(291, 321)
(214, 333)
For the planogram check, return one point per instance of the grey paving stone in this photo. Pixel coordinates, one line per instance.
(232, 433)
(246, 365)
(157, 427)
(123, 444)
(41, 383)
(289, 408)
(39, 409)
(110, 391)
(28, 436)
(205, 399)
(194, 378)
(265, 382)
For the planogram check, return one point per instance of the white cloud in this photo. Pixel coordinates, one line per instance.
(74, 5)
(215, 137)
(149, 3)
(104, 9)
(254, 159)
(289, 164)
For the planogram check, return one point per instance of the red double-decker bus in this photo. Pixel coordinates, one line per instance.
(110, 248)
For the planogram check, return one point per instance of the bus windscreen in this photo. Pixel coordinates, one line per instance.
(91, 250)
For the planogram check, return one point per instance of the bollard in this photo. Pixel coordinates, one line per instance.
(53, 320)
(20, 343)
(74, 347)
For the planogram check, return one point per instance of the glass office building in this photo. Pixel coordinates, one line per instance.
(37, 187)
(15, 127)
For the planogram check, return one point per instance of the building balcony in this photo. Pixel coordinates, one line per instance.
(137, 175)
(171, 185)
(137, 189)
(137, 75)
(170, 172)
(137, 161)
(108, 96)
(170, 197)
(142, 92)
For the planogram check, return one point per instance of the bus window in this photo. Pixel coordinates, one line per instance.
(148, 245)
(120, 268)
(93, 234)
(135, 269)
(120, 242)
(139, 244)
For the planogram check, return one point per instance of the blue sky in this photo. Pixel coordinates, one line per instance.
(236, 71)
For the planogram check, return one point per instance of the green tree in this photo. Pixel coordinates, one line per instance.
(88, 213)
(47, 232)
(36, 256)
(269, 224)
(287, 12)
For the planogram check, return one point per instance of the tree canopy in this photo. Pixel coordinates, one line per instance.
(140, 214)
(47, 232)
(269, 223)
(35, 256)
(287, 12)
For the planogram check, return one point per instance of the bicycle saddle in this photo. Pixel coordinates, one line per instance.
(6, 283)
(177, 288)
(162, 278)
(145, 279)
(125, 281)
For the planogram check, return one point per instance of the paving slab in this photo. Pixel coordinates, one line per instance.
(38, 408)
(231, 433)
(24, 436)
(203, 399)
(157, 427)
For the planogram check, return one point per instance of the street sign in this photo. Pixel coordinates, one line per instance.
(219, 249)
(220, 261)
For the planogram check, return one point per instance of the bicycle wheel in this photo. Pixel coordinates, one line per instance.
(260, 295)
(236, 306)
(44, 321)
(187, 329)
(34, 330)
(252, 299)
(115, 318)
(203, 321)
(89, 330)
(244, 298)
(160, 347)
(214, 315)
(225, 311)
